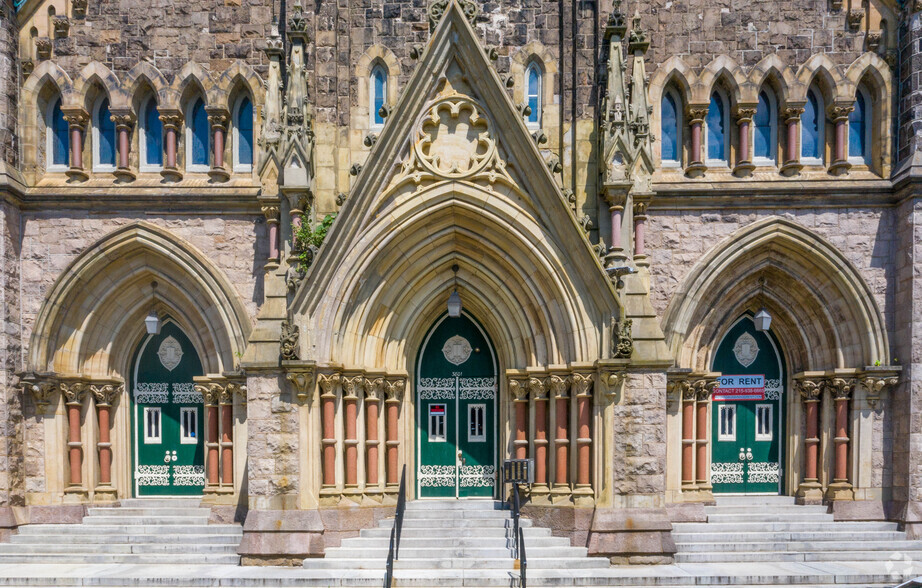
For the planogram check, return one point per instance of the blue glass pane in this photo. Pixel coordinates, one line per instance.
(380, 89)
(810, 132)
(153, 135)
(245, 132)
(670, 131)
(716, 129)
(199, 134)
(534, 90)
(856, 128)
(762, 137)
(59, 139)
(106, 134)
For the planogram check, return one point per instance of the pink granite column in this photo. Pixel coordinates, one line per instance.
(839, 116)
(372, 400)
(328, 383)
(172, 123)
(792, 119)
(218, 118)
(394, 390)
(352, 387)
(227, 440)
(744, 116)
(560, 387)
(688, 438)
(701, 435)
(696, 116)
(77, 120)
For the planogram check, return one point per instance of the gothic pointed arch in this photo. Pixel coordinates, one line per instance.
(770, 70)
(145, 74)
(819, 68)
(238, 76)
(97, 74)
(94, 314)
(827, 316)
(722, 70)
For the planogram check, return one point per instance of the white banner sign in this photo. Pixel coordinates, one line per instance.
(740, 388)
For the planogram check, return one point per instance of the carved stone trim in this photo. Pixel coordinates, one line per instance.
(876, 385)
(437, 9)
(74, 392)
(394, 389)
(538, 388)
(303, 382)
(42, 392)
(374, 389)
(105, 394)
(289, 341)
(809, 390)
(210, 392)
(329, 383)
(518, 389)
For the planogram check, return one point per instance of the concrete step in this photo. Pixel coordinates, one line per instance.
(750, 500)
(81, 530)
(178, 539)
(742, 527)
(115, 548)
(782, 509)
(453, 523)
(450, 532)
(785, 536)
(148, 512)
(844, 548)
(129, 520)
(761, 517)
(456, 514)
(456, 505)
(407, 552)
(168, 559)
(789, 556)
(194, 502)
(497, 542)
(407, 563)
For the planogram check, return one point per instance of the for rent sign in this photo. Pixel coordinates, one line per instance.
(740, 388)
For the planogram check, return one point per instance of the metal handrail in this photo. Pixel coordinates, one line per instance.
(393, 551)
(518, 537)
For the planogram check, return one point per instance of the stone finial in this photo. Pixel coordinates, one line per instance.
(374, 389)
(74, 392)
(289, 341)
(437, 10)
(297, 22)
(809, 390)
(876, 385)
(274, 45)
(105, 394)
(638, 41)
(42, 392)
(394, 389)
(303, 381)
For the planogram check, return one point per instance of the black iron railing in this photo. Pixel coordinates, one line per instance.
(518, 538)
(393, 551)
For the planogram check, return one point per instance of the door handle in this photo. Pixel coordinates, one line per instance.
(461, 458)
(742, 454)
(169, 456)
(749, 454)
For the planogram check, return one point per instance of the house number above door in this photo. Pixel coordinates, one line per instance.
(457, 349)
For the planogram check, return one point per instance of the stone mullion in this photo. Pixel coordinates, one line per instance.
(105, 395)
(537, 388)
(74, 394)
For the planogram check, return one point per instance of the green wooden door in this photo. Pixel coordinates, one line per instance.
(167, 416)
(456, 412)
(747, 435)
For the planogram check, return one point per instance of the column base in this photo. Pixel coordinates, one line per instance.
(642, 260)
(743, 168)
(615, 257)
(695, 169)
(105, 495)
(840, 490)
(124, 174)
(76, 495)
(561, 493)
(809, 492)
(218, 174)
(583, 495)
(539, 494)
(75, 174)
(840, 168)
(171, 174)
(791, 168)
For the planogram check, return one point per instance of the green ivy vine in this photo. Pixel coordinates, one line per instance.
(309, 238)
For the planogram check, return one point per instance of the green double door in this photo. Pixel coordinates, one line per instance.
(456, 388)
(747, 435)
(167, 416)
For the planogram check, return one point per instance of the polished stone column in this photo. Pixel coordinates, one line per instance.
(329, 383)
(640, 230)
(77, 119)
(74, 394)
(218, 118)
(688, 436)
(560, 388)
(394, 390)
(703, 390)
(841, 391)
(105, 396)
(537, 388)
(696, 116)
(374, 388)
(211, 392)
(744, 114)
(582, 389)
(124, 122)
(271, 212)
(226, 401)
(792, 163)
(810, 393)
(519, 393)
(172, 124)
(839, 115)
(352, 390)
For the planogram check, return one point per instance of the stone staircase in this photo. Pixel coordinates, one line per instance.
(772, 529)
(140, 531)
(444, 539)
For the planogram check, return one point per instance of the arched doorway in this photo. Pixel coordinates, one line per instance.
(167, 416)
(456, 412)
(748, 425)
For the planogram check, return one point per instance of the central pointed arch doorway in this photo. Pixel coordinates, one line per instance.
(456, 411)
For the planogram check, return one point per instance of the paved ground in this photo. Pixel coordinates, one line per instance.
(755, 574)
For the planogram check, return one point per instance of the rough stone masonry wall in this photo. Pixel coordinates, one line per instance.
(11, 480)
(9, 87)
(272, 446)
(639, 461)
(909, 122)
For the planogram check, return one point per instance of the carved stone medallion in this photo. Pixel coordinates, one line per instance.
(170, 353)
(746, 349)
(456, 350)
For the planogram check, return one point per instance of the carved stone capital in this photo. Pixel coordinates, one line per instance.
(328, 383)
(840, 388)
(42, 392)
(681, 390)
(809, 390)
(538, 387)
(76, 117)
(640, 210)
(271, 212)
(854, 17)
(703, 389)
(238, 389)
(43, 48)
(303, 381)
(582, 384)
(744, 113)
(172, 120)
(374, 389)
(210, 391)
(217, 117)
(873, 39)
(353, 387)
(792, 113)
(518, 389)
(123, 119)
(840, 112)
(696, 114)
(613, 379)
(74, 392)
(559, 386)
(876, 385)
(105, 394)
(394, 389)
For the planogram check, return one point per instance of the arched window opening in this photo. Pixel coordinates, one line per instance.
(671, 129)
(533, 75)
(717, 125)
(198, 140)
(103, 137)
(859, 129)
(377, 95)
(812, 129)
(151, 136)
(243, 135)
(765, 130)
(56, 138)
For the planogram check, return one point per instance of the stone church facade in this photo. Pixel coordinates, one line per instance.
(234, 232)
